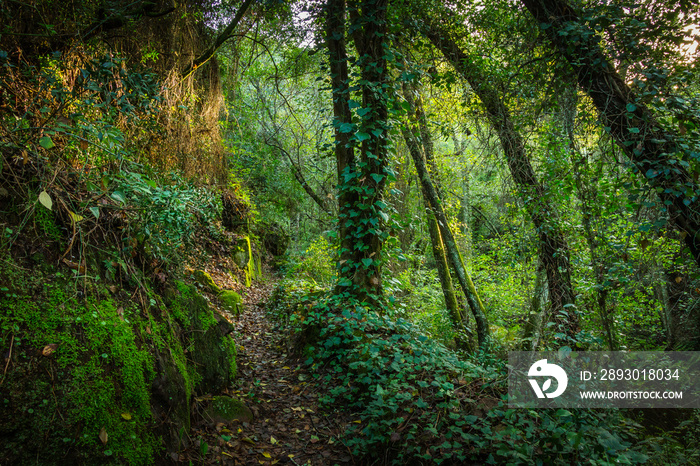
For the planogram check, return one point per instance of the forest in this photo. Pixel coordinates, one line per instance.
(312, 231)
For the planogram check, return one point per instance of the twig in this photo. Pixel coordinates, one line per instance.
(9, 358)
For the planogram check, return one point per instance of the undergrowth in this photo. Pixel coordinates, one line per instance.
(419, 403)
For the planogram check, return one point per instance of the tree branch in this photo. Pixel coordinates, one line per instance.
(223, 37)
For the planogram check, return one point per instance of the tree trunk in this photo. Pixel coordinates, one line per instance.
(436, 240)
(361, 181)
(554, 252)
(532, 332)
(654, 151)
(344, 147)
(475, 305)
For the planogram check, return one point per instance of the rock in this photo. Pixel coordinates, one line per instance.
(275, 239)
(231, 301)
(206, 281)
(243, 257)
(226, 409)
(235, 213)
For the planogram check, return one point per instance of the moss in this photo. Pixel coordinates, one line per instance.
(110, 366)
(203, 335)
(231, 353)
(205, 280)
(243, 257)
(76, 368)
(227, 409)
(231, 301)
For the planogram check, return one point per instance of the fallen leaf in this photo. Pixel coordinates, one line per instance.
(75, 218)
(48, 349)
(266, 454)
(126, 416)
(103, 435)
(273, 440)
(45, 199)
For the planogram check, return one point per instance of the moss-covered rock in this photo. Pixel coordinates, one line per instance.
(205, 280)
(231, 301)
(243, 257)
(226, 409)
(77, 367)
(85, 363)
(212, 353)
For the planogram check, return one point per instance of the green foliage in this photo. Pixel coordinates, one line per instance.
(415, 400)
(315, 264)
(168, 216)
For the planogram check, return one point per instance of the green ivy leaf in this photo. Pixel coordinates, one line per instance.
(346, 128)
(367, 261)
(362, 136)
(46, 142)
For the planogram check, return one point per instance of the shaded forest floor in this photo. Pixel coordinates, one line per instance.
(288, 426)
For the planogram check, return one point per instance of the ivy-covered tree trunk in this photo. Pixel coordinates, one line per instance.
(342, 122)
(654, 151)
(553, 249)
(362, 178)
(369, 30)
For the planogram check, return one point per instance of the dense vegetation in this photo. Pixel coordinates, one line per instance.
(434, 183)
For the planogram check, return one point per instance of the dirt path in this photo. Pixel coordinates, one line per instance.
(288, 427)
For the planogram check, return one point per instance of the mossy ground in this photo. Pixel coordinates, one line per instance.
(82, 361)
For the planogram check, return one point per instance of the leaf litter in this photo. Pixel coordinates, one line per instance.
(288, 426)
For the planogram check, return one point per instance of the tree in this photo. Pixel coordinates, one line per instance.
(361, 178)
(656, 152)
(415, 112)
(553, 248)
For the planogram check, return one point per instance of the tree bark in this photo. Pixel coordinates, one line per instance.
(553, 248)
(654, 151)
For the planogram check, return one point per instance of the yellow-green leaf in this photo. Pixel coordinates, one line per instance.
(126, 416)
(45, 199)
(75, 217)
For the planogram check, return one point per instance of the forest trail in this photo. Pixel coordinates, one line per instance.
(288, 427)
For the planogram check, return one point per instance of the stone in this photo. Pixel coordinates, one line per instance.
(206, 281)
(231, 301)
(226, 409)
